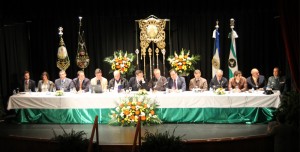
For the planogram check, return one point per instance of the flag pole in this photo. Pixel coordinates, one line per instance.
(216, 58)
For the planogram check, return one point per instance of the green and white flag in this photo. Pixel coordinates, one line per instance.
(232, 61)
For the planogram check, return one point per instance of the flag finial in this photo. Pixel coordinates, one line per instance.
(231, 23)
(60, 33)
(217, 24)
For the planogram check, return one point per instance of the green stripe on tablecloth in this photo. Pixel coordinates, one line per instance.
(167, 115)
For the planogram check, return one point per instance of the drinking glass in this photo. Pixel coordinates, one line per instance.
(129, 88)
(54, 89)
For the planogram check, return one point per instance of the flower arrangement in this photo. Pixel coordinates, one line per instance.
(59, 93)
(183, 63)
(121, 61)
(130, 108)
(220, 91)
(142, 92)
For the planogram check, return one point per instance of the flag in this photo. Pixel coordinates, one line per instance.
(216, 59)
(82, 57)
(63, 61)
(232, 61)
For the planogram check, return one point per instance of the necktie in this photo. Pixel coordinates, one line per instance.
(26, 84)
(80, 85)
(174, 84)
(98, 82)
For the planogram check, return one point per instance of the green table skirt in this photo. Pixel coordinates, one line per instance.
(167, 115)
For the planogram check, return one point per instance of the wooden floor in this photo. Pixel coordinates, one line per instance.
(116, 135)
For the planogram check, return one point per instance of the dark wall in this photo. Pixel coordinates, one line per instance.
(29, 34)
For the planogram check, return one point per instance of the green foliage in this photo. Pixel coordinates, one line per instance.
(162, 142)
(289, 108)
(71, 142)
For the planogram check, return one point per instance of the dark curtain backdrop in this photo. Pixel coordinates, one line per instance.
(289, 21)
(29, 34)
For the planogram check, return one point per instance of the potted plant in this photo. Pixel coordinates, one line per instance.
(162, 142)
(71, 142)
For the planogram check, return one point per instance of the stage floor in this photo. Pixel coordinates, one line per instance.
(116, 135)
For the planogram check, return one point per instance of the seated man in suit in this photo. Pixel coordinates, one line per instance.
(81, 83)
(158, 82)
(256, 81)
(99, 80)
(117, 81)
(218, 81)
(176, 82)
(138, 82)
(63, 83)
(27, 84)
(238, 83)
(276, 82)
(198, 81)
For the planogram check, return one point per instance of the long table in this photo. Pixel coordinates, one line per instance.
(184, 107)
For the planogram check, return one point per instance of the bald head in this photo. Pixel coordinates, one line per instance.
(117, 75)
(219, 74)
(255, 73)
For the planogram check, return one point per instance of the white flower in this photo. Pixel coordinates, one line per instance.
(118, 109)
(122, 114)
(142, 113)
(137, 107)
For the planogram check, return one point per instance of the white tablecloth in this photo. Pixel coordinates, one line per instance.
(186, 99)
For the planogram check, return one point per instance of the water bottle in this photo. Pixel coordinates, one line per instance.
(90, 89)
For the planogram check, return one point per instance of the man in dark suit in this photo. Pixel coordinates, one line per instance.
(27, 84)
(218, 81)
(176, 82)
(117, 82)
(81, 83)
(63, 83)
(158, 82)
(138, 82)
(256, 81)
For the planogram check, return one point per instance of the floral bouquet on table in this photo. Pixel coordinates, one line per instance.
(129, 109)
(59, 93)
(220, 91)
(142, 92)
(183, 63)
(121, 61)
